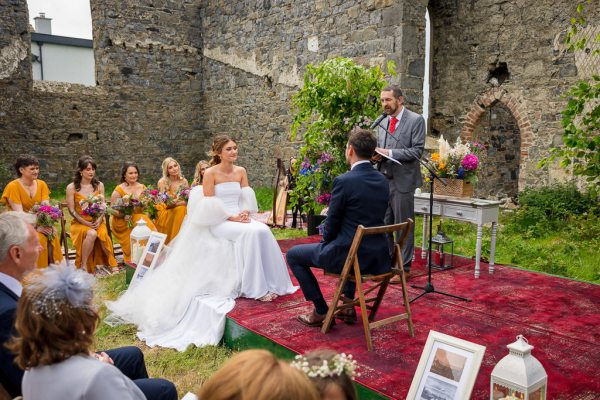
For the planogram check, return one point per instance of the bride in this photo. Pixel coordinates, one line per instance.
(219, 254)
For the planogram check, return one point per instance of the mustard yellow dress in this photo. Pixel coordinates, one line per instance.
(102, 253)
(16, 193)
(169, 220)
(121, 231)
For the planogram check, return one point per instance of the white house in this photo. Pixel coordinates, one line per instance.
(61, 58)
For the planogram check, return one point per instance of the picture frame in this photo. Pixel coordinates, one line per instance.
(447, 369)
(149, 257)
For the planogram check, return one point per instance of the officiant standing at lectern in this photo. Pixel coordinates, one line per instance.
(404, 142)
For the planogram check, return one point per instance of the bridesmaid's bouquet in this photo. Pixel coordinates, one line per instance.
(167, 199)
(93, 206)
(127, 205)
(183, 193)
(47, 216)
(149, 198)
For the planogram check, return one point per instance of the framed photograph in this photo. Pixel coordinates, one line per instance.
(150, 256)
(447, 369)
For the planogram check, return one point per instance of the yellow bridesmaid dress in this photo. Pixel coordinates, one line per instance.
(169, 220)
(121, 231)
(16, 193)
(102, 253)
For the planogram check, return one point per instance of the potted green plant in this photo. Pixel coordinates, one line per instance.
(337, 96)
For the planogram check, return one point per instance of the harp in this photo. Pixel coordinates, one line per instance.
(280, 197)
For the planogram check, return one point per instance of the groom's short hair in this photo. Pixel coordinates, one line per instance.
(363, 142)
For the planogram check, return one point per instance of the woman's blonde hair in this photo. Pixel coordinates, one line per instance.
(258, 374)
(55, 317)
(165, 168)
(198, 172)
(217, 146)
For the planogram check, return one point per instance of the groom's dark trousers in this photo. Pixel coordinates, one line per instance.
(358, 197)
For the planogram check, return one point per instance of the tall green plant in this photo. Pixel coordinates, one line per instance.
(337, 96)
(581, 117)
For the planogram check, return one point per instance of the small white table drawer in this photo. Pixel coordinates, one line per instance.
(423, 208)
(460, 213)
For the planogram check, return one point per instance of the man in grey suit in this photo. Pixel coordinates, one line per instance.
(404, 143)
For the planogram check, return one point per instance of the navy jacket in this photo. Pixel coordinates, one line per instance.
(10, 375)
(359, 197)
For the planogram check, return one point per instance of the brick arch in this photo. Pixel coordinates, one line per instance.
(490, 98)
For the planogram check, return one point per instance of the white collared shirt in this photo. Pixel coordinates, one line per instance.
(359, 162)
(13, 284)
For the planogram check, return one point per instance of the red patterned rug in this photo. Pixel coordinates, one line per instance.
(560, 317)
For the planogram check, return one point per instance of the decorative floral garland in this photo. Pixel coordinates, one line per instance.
(336, 365)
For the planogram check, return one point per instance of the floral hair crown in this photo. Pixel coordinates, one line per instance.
(337, 365)
(58, 287)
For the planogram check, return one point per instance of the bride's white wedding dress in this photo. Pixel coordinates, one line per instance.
(211, 262)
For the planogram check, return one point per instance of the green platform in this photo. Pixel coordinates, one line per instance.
(236, 337)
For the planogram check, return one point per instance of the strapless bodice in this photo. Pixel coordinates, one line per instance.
(229, 193)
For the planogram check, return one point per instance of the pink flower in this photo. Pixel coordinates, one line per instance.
(470, 162)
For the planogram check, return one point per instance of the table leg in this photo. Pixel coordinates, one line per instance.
(492, 248)
(423, 252)
(478, 249)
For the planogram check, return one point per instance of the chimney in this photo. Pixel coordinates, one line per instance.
(43, 24)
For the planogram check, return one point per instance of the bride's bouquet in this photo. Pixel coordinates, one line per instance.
(46, 216)
(93, 206)
(127, 205)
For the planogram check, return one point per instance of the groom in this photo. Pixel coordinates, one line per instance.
(359, 196)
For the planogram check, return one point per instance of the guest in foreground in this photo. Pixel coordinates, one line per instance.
(172, 212)
(19, 246)
(358, 197)
(127, 191)
(201, 168)
(332, 373)
(85, 202)
(25, 192)
(257, 374)
(405, 143)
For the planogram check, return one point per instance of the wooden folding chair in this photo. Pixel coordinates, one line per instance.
(63, 232)
(351, 271)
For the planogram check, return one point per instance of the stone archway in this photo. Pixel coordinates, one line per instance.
(508, 134)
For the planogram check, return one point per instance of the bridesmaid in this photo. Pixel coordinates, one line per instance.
(199, 172)
(130, 174)
(90, 237)
(22, 194)
(170, 217)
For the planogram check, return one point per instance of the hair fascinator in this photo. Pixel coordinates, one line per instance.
(56, 288)
(337, 365)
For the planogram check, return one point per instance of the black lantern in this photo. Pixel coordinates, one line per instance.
(440, 243)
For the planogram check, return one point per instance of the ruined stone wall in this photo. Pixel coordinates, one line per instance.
(145, 107)
(255, 54)
(471, 38)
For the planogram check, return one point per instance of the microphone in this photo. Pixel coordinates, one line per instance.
(378, 120)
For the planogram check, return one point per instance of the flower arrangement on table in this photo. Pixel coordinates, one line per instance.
(127, 205)
(47, 216)
(461, 161)
(149, 199)
(315, 179)
(93, 206)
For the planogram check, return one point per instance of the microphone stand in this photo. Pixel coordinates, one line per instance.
(428, 288)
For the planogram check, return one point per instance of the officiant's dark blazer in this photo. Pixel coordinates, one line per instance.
(10, 374)
(360, 196)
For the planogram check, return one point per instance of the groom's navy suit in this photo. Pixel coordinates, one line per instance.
(130, 360)
(358, 197)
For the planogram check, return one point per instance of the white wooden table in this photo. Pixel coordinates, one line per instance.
(476, 211)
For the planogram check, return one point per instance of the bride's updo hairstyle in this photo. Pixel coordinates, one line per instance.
(218, 144)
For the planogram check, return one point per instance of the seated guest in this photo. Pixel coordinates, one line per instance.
(257, 374)
(25, 192)
(171, 214)
(123, 224)
(358, 197)
(57, 340)
(199, 172)
(332, 373)
(88, 229)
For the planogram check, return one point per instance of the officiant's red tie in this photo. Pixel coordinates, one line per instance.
(393, 122)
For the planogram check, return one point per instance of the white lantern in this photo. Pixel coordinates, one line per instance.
(519, 375)
(138, 238)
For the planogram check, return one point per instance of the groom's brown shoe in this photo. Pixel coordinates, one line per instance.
(313, 319)
(348, 315)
